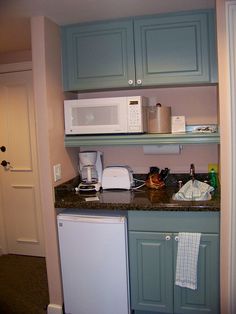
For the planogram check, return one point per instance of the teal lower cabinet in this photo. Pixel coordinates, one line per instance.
(151, 272)
(152, 258)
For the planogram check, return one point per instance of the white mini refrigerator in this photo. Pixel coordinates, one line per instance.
(94, 264)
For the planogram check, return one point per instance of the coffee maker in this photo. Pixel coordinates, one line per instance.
(90, 168)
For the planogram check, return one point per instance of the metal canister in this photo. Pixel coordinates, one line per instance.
(159, 119)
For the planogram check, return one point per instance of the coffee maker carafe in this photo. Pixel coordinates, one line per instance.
(90, 167)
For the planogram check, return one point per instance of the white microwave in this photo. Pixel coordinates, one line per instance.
(106, 115)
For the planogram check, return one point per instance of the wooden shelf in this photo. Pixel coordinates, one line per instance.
(141, 139)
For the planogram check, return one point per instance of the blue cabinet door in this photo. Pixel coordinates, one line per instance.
(175, 48)
(151, 271)
(98, 55)
(152, 275)
(205, 299)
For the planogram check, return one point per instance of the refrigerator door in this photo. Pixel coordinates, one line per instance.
(94, 264)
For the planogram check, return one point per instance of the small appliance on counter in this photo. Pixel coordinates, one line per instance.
(90, 168)
(117, 177)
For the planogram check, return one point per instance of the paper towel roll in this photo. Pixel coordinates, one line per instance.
(161, 149)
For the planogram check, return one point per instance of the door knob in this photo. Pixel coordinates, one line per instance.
(3, 148)
(4, 163)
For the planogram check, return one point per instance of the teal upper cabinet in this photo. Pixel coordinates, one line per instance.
(98, 55)
(165, 49)
(175, 49)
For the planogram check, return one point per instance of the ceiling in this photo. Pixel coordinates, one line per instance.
(15, 14)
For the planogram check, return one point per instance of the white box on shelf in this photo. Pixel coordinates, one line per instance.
(178, 124)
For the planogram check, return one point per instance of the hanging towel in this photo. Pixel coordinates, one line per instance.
(187, 258)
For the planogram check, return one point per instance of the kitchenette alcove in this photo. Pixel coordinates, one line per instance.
(116, 153)
(194, 96)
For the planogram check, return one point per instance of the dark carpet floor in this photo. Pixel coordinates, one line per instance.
(23, 285)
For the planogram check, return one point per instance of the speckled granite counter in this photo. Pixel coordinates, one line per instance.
(142, 199)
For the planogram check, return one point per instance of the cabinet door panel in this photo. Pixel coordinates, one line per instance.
(98, 55)
(173, 49)
(151, 272)
(205, 299)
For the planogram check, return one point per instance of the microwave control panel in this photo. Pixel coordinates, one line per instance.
(134, 116)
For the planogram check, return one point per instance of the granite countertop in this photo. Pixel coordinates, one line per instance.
(141, 199)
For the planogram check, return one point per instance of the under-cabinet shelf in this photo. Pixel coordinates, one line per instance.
(141, 139)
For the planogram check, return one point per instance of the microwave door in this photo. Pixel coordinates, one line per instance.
(95, 118)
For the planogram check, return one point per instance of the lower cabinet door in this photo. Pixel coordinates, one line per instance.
(205, 299)
(151, 271)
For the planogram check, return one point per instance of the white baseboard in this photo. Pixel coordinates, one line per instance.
(54, 309)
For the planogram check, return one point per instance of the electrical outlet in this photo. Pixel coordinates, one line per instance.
(57, 172)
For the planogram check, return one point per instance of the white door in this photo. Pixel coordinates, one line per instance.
(19, 182)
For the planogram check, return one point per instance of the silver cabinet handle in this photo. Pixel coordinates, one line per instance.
(130, 82)
(168, 238)
(176, 238)
(139, 82)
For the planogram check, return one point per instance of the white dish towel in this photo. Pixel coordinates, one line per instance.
(194, 191)
(187, 258)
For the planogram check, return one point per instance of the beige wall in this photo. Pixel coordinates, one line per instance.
(67, 158)
(14, 32)
(225, 151)
(49, 101)
(16, 56)
(15, 43)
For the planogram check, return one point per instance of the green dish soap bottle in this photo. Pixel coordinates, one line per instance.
(213, 178)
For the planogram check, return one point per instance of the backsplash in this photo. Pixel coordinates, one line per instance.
(174, 178)
(201, 155)
(171, 181)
